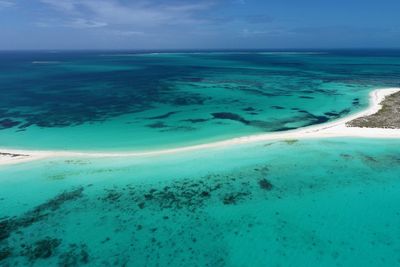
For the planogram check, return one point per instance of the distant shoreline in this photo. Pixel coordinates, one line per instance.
(332, 129)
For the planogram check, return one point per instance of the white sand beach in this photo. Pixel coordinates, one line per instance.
(336, 128)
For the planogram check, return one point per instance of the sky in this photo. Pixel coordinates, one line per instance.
(207, 24)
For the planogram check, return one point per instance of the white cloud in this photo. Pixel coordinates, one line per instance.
(139, 13)
(63, 5)
(266, 32)
(78, 23)
(84, 23)
(6, 4)
(127, 33)
(190, 7)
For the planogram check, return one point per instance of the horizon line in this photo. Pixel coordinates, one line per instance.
(199, 49)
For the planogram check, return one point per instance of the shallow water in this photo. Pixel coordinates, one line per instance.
(124, 101)
(331, 202)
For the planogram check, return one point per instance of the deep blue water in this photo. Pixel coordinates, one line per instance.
(152, 99)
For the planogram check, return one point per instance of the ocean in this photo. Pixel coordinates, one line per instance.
(316, 202)
(130, 100)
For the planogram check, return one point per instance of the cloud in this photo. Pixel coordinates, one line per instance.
(62, 5)
(248, 20)
(247, 32)
(267, 32)
(77, 23)
(84, 23)
(140, 13)
(258, 19)
(126, 33)
(6, 4)
(337, 30)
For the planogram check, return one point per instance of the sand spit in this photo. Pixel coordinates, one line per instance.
(338, 128)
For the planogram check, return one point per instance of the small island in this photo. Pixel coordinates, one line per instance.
(387, 117)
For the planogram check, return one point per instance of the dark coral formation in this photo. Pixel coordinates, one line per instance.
(47, 101)
(10, 225)
(277, 107)
(165, 201)
(5, 253)
(195, 99)
(157, 125)
(8, 123)
(45, 247)
(196, 120)
(230, 116)
(42, 249)
(265, 184)
(163, 116)
(307, 117)
(333, 114)
(233, 198)
(75, 255)
(356, 101)
(176, 221)
(249, 109)
(387, 117)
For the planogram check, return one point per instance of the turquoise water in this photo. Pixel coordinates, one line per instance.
(254, 205)
(328, 202)
(127, 100)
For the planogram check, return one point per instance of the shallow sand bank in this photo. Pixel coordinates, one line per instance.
(336, 128)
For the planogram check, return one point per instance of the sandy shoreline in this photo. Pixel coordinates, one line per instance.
(336, 128)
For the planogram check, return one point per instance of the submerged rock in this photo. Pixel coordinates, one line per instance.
(157, 125)
(265, 184)
(233, 198)
(76, 255)
(5, 253)
(4, 229)
(291, 141)
(163, 116)
(7, 123)
(230, 116)
(37, 214)
(196, 120)
(249, 109)
(43, 248)
(277, 107)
